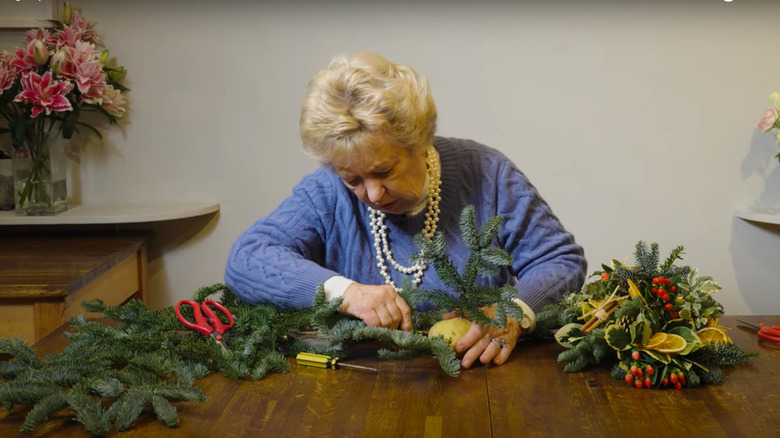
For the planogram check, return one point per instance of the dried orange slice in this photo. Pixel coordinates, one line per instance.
(713, 334)
(655, 340)
(672, 344)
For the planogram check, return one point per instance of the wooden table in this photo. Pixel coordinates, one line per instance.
(527, 397)
(45, 276)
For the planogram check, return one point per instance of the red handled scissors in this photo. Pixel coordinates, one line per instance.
(213, 327)
(771, 333)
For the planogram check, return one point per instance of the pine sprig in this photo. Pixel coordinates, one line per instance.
(466, 296)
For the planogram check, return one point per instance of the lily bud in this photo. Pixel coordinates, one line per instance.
(116, 74)
(104, 57)
(65, 13)
(40, 52)
(57, 60)
(775, 99)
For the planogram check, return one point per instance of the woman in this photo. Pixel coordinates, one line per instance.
(384, 178)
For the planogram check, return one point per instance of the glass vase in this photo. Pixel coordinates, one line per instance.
(40, 177)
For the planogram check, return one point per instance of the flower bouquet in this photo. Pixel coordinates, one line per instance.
(45, 87)
(659, 323)
(771, 118)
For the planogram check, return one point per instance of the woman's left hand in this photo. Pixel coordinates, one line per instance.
(478, 343)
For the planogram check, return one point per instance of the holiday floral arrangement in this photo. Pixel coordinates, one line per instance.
(47, 85)
(771, 118)
(657, 323)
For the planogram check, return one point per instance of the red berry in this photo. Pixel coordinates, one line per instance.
(648, 382)
(667, 281)
(633, 370)
(629, 379)
(635, 355)
(681, 378)
(649, 370)
(665, 382)
(668, 307)
(673, 379)
(654, 291)
(638, 383)
(604, 275)
(674, 289)
(675, 314)
(665, 297)
(655, 280)
(639, 373)
(678, 385)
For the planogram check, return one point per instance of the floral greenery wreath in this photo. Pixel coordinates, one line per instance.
(659, 322)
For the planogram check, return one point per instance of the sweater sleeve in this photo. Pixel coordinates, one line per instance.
(547, 261)
(279, 259)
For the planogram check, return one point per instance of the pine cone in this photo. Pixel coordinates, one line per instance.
(624, 322)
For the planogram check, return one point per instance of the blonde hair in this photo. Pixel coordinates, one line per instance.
(362, 94)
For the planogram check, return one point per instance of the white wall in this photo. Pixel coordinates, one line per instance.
(635, 120)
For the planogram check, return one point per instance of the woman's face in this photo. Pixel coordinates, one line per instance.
(388, 177)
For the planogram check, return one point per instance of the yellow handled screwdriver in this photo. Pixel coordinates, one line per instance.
(321, 361)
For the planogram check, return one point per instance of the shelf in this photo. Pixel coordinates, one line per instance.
(114, 214)
(759, 214)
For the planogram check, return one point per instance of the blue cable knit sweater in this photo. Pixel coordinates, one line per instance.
(323, 230)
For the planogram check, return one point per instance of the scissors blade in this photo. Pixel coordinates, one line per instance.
(218, 339)
(753, 326)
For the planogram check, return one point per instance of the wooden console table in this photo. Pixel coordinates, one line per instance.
(50, 264)
(45, 277)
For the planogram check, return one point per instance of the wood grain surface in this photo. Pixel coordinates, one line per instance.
(529, 396)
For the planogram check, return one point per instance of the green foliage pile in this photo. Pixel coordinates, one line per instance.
(136, 360)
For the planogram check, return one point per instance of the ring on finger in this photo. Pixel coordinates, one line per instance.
(501, 342)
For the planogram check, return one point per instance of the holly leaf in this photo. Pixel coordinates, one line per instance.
(617, 337)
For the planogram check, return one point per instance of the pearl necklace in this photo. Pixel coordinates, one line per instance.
(379, 229)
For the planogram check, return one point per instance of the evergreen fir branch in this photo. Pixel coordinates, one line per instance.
(673, 256)
(108, 387)
(42, 410)
(489, 231)
(13, 392)
(133, 402)
(578, 364)
(20, 350)
(89, 412)
(647, 261)
(721, 354)
(468, 229)
(234, 366)
(359, 331)
(326, 312)
(714, 375)
(271, 362)
(629, 309)
(12, 368)
(692, 378)
(184, 375)
(165, 411)
(617, 372)
(206, 292)
(385, 353)
(174, 392)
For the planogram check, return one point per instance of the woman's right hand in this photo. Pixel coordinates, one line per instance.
(377, 306)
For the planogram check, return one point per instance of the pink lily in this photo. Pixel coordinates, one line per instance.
(44, 93)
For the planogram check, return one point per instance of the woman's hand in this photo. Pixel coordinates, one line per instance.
(478, 343)
(377, 306)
